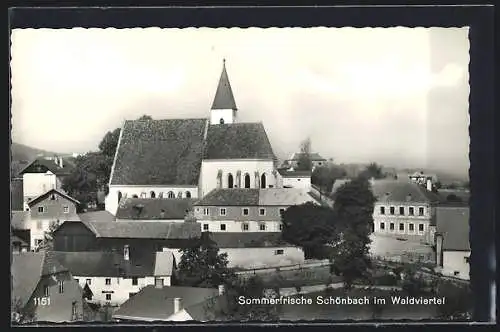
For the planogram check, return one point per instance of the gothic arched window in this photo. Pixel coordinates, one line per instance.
(188, 194)
(179, 194)
(219, 179)
(247, 180)
(230, 181)
(135, 196)
(119, 196)
(153, 194)
(160, 195)
(263, 181)
(171, 194)
(221, 121)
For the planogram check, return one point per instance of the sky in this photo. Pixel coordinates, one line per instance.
(396, 96)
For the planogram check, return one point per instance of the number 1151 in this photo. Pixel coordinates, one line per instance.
(42, 301)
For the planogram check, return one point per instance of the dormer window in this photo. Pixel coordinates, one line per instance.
(52, 197)
(221, 121)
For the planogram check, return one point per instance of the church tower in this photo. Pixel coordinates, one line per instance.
(224, 107)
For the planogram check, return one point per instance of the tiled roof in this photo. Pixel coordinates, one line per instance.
(159, 152)
(52, 191)
(313, 156)
(18, 219)
(230, 197)
(49, 165)
(284, 197)
(286, 173)
(16, 196)
(144, 230)
(248, 240)
(238, 141)
(164, 263)
(103, 216)
(106, 264)
(154, 208)
(27, 268)
(224, 98)
(153, 303)
(401, 191)
(453, 224)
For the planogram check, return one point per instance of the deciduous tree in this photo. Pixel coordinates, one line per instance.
(325, 176)
(373, 170)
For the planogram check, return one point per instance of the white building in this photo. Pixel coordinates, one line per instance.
(452, 241)
(195, 155)
(290, 178)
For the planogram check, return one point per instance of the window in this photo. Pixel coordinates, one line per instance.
(41, 209)
(391, 226)
(46, 291)
(262, 212)
(88, 282)
(222, 211)
(382, 210)
(411, 227)
(206, 211)
(281, 227)
(76, 279)
(402, 210)
(143, 195)
(126, 252)
(247, 180)
(39, 224)
(467, 259)
(391, 209)
(66, 209)
(382, 226)
(134, 281)
(188, 194)
(222, 227)
(73, 310)
(52, 197)
(263, 181)
(230, 181)
(420, 227)
(159, 282)
(61, 286)
(108, 297)
(152, 194)
(244, 211)
(108, 281)
(179, 194)
(171, 194)
(420, 211)
(282, 211)
(279, 252)
(262, 227)
(205, 227)
(160, 195)
(245, 227)
(411, 211)
(135, 196)
(401, 226)
(456, 273)
(221, 121)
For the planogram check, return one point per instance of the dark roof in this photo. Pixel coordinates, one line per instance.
(27, 268)
(154, 208)
(16, 196)
(143, 230)
(41, 164)
(453, 224)
(230, 197)
(238, 141)
(16, 239)
(224, 98)
(103, 215)
(314, 156)
(153, 303)
(248, 240)
(18, 219)
(107, 264)
(289, 173)
(158, 152)
(51, 191)
(401, 191)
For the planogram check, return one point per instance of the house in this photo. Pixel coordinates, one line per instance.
(315, 158)
(194, 157)
(51, 207)
(139, 237)
(18, 245)
(290, 178)
(43, 289)
(423, 179)
(112, 277)
(42, 175)
(247, 210)
(159, 209)
(452, 241)
(155, 303)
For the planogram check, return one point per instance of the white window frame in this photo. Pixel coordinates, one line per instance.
(106, 281)
(421, 231)
(402, 214)
(60, 285)
(260, 226)
(382, 211)
(410, 230)
(207, 228)
(108, 295)
(393, 228)
(66, 209)
(423, 211)
(220, 212)
(243, 211)
(392, 210)
(399, 227)
(225, 228)
(243, 227)
(279, 252)
(262, 214)
(41, 209)
(409, 211)
(206, 211)
(381, 226)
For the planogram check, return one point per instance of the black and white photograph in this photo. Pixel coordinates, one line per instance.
(229, 174)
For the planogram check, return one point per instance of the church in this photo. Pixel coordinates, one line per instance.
(188, 158)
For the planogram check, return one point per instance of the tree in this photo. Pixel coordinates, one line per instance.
(109, 143)
(304, 163)
(201, 265)
(231, 308)
(373, 170)
(353, 209)
(309, 226)
(21, 314)
(325, 176)
(48, 237)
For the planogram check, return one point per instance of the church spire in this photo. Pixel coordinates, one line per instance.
(224, 98)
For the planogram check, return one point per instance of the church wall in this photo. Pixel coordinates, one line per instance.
(111, 201)
(210, 169)
(226, 114)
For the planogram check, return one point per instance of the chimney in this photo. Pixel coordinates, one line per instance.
(439, 250)
(222, 289)
(429, 184)
(61, 162)
(177, 305)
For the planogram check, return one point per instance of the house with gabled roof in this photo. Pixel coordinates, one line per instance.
(316, 159)
(188, 158)
(44, 290)
(160, 209)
